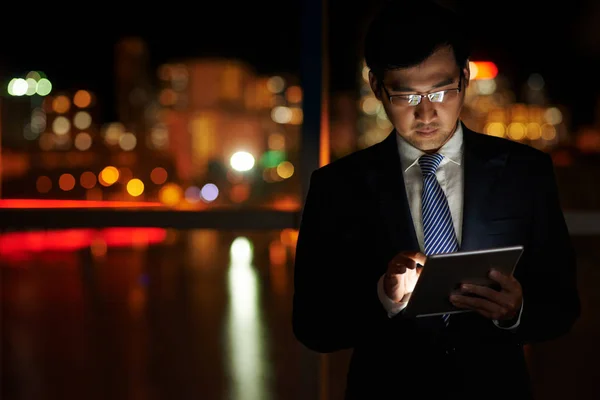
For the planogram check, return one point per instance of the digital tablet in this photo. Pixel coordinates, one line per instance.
(443, 274)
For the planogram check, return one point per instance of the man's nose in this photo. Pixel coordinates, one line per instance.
(425, 111)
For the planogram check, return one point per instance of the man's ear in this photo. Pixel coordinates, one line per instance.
(467, 73)
(375, 85)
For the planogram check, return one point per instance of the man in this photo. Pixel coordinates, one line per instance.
(365, 228)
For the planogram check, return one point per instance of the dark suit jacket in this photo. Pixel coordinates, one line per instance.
(356, 218)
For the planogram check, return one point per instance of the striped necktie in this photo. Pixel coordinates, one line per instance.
(438, 230)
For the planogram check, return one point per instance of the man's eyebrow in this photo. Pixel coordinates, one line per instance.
(397, 87)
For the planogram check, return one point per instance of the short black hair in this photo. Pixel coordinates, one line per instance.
(403, 33)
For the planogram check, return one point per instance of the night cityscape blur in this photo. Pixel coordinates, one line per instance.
(187, 109)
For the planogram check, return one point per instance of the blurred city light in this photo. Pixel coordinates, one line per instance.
(18, 88)
(192, 194)
(83, 141)
(135, 187)
(276, 84)
(82, 120)
(108, 176)
(483, 70)
(209, 192)
(285, 169)
(158, 175)
(82, 99)
(281, 114)
(31, 86)
(170, 194)
(44, 87)
(66, 182)
(242, 161)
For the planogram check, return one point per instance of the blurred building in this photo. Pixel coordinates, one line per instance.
(229, 127)
(135, 97)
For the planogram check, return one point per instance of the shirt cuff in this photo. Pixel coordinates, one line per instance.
(390, 305)
(516, 324)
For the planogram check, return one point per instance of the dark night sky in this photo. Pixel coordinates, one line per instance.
(522, 37)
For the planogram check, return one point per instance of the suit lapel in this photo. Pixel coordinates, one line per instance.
(483, 165)
(387, 184)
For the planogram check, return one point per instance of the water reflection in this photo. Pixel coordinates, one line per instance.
(199, 314)
(246, 352)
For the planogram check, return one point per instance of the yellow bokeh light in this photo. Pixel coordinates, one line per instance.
(516, 131)
(285, 169)
(135, 187)
(108, 176)
(66, 182)
(61, 104)
(170, 194)
(82, 99)
(297, 116)
(495, 129)
(534, 131)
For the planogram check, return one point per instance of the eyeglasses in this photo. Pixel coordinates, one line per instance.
(415, 99)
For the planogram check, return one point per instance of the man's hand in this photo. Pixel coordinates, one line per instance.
(498, 305)
(402, 274)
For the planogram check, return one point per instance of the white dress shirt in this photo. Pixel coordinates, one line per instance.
(450, 175)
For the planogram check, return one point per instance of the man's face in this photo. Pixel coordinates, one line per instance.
(427, 125)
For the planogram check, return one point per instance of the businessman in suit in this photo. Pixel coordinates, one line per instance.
(432, 186)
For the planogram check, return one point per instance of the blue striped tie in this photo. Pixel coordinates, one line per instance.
(438, 230)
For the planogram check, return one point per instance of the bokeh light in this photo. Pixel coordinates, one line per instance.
(66, 182)
(87, 180)
(43, 184)
(108, 176)
(209, 192)
(158, 175)
(82, 99)
(242, 161)
(170, 194)
(135, 187)
(83, 141)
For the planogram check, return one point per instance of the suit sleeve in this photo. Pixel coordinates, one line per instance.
(550, 282)
(333, 305)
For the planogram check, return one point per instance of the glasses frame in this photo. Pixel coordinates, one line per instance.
(418, 96)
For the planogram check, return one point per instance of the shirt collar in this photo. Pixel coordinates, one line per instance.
(452, 150)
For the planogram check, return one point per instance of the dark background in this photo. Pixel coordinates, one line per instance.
(74, 44)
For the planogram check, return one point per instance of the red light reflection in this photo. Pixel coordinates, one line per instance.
(14, 244)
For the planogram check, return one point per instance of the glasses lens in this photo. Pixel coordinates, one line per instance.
(414, 99)
(436, 97)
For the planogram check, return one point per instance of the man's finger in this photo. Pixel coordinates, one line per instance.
(488, 293)
(477, 304)
(417, 257)
(507, 282)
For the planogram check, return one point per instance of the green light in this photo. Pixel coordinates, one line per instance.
(272, 158)
(11, 85)
(44, 87)
(31, 86)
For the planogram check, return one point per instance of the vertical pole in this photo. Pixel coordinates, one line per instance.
(314, 79)
(314, 144)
